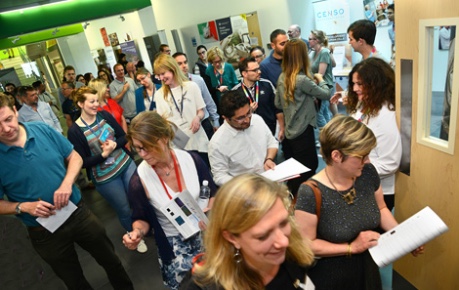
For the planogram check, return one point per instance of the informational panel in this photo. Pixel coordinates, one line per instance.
(235, 35)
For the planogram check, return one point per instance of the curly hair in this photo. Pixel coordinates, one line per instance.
(378, 81)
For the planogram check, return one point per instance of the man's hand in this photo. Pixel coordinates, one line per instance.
(126, 86)
(38, 208)
(62, 195)
(254, 106)
(269, 164)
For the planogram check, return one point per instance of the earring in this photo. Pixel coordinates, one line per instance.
(237, 256)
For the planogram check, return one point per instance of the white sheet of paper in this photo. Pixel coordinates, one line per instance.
(407, 236)
(184, 213)
(52, 223)
(286, 170)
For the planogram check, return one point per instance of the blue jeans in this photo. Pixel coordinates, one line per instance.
(115, 192)
(58, 250)
(323, 115)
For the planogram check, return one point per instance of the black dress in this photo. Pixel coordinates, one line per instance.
(341, 223)
(288, 278)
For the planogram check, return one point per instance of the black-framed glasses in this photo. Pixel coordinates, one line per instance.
(259, 56)
(255, 70)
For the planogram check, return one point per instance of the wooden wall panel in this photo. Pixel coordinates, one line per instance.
(434, 179)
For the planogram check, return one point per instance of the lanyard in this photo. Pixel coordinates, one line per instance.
(218, 75)
(90, 129)
(246, 91)
(181, 102)
(177, 174)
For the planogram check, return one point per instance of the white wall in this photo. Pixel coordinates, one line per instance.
(76, 52)
(137, 24)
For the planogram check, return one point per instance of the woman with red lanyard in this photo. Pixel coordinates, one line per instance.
(106, 103)
(163, 174)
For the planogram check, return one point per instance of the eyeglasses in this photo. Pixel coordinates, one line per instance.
(259, 56)
(312, 39)
(242, 118)
(139, 149)
(255, 70)
(202, 52)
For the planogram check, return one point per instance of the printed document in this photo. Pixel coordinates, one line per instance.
(184, 213)
(407, 236)
(286, 170)
(52, 223)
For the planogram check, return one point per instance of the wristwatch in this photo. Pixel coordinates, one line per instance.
(18, 208)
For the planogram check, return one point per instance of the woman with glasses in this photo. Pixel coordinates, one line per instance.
(252, 242)
(322, 62)
(202, 64)
(144, 95)
(222, 74)
(258, 53)
(106, 103)
(163, 174)
(180, 101)
(81, 79)
(105, 75)
(296, 92)
(340, 220)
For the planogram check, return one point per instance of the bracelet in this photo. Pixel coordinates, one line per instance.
(266, 159)
(349, 250)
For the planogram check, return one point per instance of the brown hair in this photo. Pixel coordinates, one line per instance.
(78, 96)
(378, 81)
(6, 101)
(295, 60)
(148, 128)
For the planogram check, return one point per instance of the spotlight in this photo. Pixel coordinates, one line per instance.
(122, 18)
(86, 24)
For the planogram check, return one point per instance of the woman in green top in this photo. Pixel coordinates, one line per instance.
(296, 90)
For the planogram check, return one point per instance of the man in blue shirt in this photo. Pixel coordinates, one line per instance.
(35, 179)
(271, 66)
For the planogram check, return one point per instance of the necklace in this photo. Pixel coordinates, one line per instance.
(349, 196)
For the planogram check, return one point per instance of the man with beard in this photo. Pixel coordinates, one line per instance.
(271, 66)
(243, 144)
(122, 90)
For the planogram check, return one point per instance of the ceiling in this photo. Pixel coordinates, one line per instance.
(8, 5)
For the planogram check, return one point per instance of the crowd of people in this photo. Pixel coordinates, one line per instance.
(211, 126)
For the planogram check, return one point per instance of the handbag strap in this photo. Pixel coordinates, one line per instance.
(317, 194)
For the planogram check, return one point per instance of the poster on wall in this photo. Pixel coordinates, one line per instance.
(208, 32)
(113, 39)
(375, 11)
(129, 48)
(103, 32)
(224, 27)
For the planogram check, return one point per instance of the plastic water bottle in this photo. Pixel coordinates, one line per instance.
(204, 194)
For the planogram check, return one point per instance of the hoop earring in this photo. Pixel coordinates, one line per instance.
(237, 256)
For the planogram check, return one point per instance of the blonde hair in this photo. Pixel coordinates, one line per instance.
(215, 52)
(100, 86)
(240, 204)
(148, 128)
(348, 136)
(165, 62)
(295, 60)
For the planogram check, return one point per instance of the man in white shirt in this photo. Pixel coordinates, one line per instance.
(243, 144)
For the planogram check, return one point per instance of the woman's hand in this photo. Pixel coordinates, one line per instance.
(132, 239)
(318, 78)
(418, 251)
(339, 95)
(195, 124)
(364, 241)
(108, 147)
